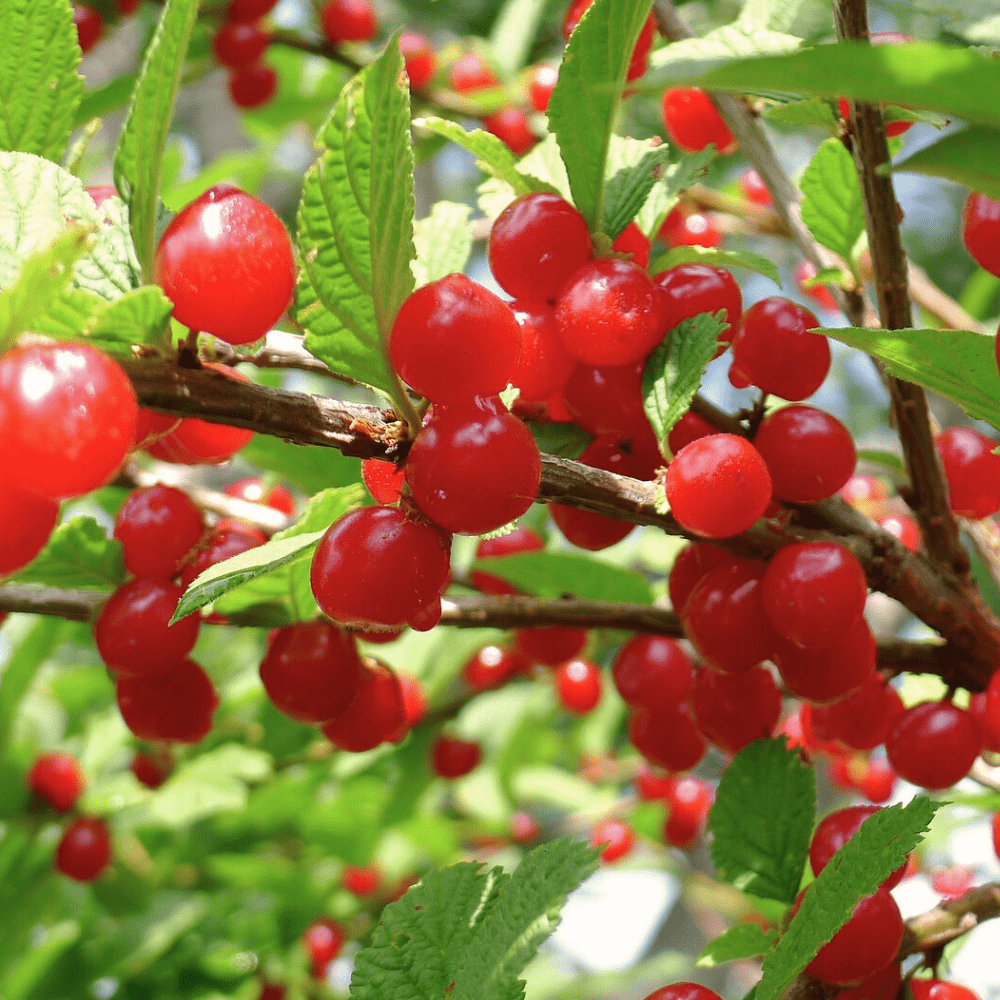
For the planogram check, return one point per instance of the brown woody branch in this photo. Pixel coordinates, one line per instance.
(950, 920)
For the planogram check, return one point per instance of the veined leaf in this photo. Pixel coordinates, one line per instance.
(40, 87)
(513, 33)
(443, 242)
(813, 111)
(79, 554)
(143, 138)
(741, 941)
(832, 204)
(640, 166)
(676, 177)
(731, 41)
(970, 157)
(717, 258)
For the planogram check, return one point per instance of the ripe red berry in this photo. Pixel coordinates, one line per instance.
(692, 564)
(223, 542)
(454, 758)
(158, 526)
(972, 471)
(981, 230)
(348, 21)
(652, 671)
(418, 55)
(904, 528)
(471, 72)
(684, 991)
(667, 737)
(836, 830)
(616, 838)
(84, 850)
(89, 26)
(732, 710)
(860, 720)
(377, 713)
(198, 442)
(491, 667)
(537, 242)
(690, 289)
(414, 700)
(361, 880)
(239, 44)
(550, 646)
(753, 187)
(383, 479)
(474, 467)
(26, 522)
(248, 10)
(953, 881)
(632, 242)
(542, 81)
(608, 313)
(940, 989)
(809, 454)
(878, 783)
(67, 419)
(578, 686)
(127, 7)
(252, 87)
(521, 539)
(637, 63)
(688, 800)
(323, 940)
(152, 769)
(510, 125)
(692, 121)
(453, 340)
(57, 778)
(864, 493)
(820, 294)
(718, 486)
(933, 744)
(226, 263)
(524, 828)
(684, 228)
(254, 491)
(607, 400)
(176, 705)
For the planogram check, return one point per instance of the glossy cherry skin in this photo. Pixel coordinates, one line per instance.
(904, 529)
(753, 187)
(239, 44)
(323, 940)
(607, 399)
(84, 850)
(836, 830)
(652, 671)
(57, 778)
(226, 263)
(689, 800)
(825, 674)
(521, 539)
(861, 719)
(578, 686)
(692, 564)
(692, 121)
(718, 486)
(89, 26)
(775, 351)
(383, 480)
(934, 744)
(981, 231)
(455, 758)
(473, 468)
(27, 521)
(732, 710)
(312, 671)
(491, 667)
(151, 426)
(157, 526)
(511, 126)
(471, 72)
(683, 228)
(152, 770)
(667, 737)
(176, 706)
(453, 340)
(550, 646)
(377, 713)
(223, 542)
(608, 313)
(684, 991)
(418, 54)
(541, 82)
(690, 289)
(637, 62)
(809, 454)
(361, 881)
(615, 837)
(254, 491)
(348, 21)
(940, 989)
(972, 471)
(632, 242)
(252, 86)
(544, 364)
(67, 419)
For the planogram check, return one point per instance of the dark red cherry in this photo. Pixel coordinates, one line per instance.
(934, 744)
(158, 526)
(521, 539)
(836, 830)
(57, 778)
(176, 705)
(732, 710)
(692, 121)
(26, 522)
(653, 671)
(84, 850)
(455, 758)
(376, 715)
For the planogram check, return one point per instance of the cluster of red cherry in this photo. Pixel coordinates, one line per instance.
(240, 44)
(90, 24)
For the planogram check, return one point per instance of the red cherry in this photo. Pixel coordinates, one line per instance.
(150, 769)
(690, 229)
(865, 493)
(684, 991)
(89, 26)
(809, 453)
(820, 294)
(453, 340)
(84, 850)
(471, 72)
(383, 479)
(652, 671)
(542, 81)
(836, 830)
(226, 263)
(972, 471)
(248, 10)
(952, 882)
(521, 539)
(883, 985)
(223, 542)
(27, 522)
(692, 121)
(491, 667)
(608, 313)
(939, 989)
(252, 87)
(414, 700)
(254, 491)
(718, 486)
(616, 837)
(878, 783)
(904, 528)
(578, 686)
(67, 419)
(376, 714)
(176, 705)
(57, 778)
(348, 21)
(197, 442)
(667, 737)
(239, 44)
(860, 720)
(689, 800)
(650, 786)
(753, 187)
(933, 744)
(454, 758)
(151, 426)
(418, 55)
(550, 646)
(157, 526)
(692, 564)
(824, 674)
(524, 828)
(510, 125)
(607, 400)
(689, 428)
(981, 231)
(690, 289)
(732, 710)
(632, 242)
(323, 940)
(637, 63)
(361, 880)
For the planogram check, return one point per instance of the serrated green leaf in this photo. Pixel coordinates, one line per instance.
(551, 574)
(43, 278)
(111, 268)
(673, 371)
(290, 545)
(140, 316)
(355, 226)
(139, 154)
(814, 111)
(443, 242)
(717, 258)
(959, 364)
(67, 316)
(567, 440)
(970, 156)
(762, 820)
(526, 913)
(878, 848)
(585, 100)
(310, 467)
(797, 16)
(731, 41)
(79, 554)
(628, 187)
(832, 205)
(40, 88)
(741, 941)
(677, 177)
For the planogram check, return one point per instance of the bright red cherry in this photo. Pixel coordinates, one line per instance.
(223, 542)
(666, 737)
(455, 758)
(689, 800)
(940, 989)
(685, 228)
(453, 340)
(981, 231)
(248, 10)
(550, 646)
(836, 830)
(865, 493)
(510, 125)
(383, 479)
(323, 940)
(239, 44)
(252, 87)
(753, 187)
(690, 289)
(57, 778)
(26, 522)
(84, 850)
(692, 121)
(89, 26)
(226, 263)
(418, 55)
(151, 426)
(608, 313)
(197, 442)
(471, 72)
(616, 838)
(536, 243)
(972, 471)
(689, 428)
(542, 81)
(521, 539)
(718, 486)
(860, 720)
(934, 744)
(491, 667)
(637, 63)
(903, 528)
(607, 400)
(824, 674)
(732, 710)
(632, 242)
(878, 783)
(892, 128)
(377, 713)
(578, 685)
(692, 564)
(67, 419)
(254, 491)
(176, 705)
(684, 991)
(652, 671)
(952, 882)
(809, 453)
(361, 880)
(348, 21)
(414, 699)
(158, 526)
(152, 769)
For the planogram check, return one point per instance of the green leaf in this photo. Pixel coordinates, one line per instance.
(673, 371)
(717, 258)
(98, 102)
(141, 316)
(730, 42)
(832, 204)
(111, 268)
(677, 177)
(970, 156)
(785, 15)
(355, 226)
(443, 242)
(40, 88)
(826, 276)
(741, 941)
(959, 364)
(43, 277)
(886, 459)
(763, 820)
(566, 440)
(139, 154)
(813, 111)
(513, 33)
(79, 554)
(878, 848)
(585, 101)
(626, 190)
(526, 913)
(309, 467)
(296, 542)
(552, 574)
(32, 966)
